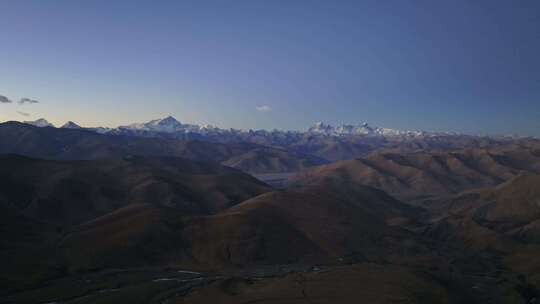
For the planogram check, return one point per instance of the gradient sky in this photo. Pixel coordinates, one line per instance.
(467, 66)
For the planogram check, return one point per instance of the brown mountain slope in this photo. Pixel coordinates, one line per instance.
(72, 192)
(134, 203)
(135, 235)
(512, 208)
(501, 221)
(317, 222)
(421, 175)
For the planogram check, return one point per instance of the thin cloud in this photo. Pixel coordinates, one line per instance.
(263, 108)
(27, 100)
(23, 113)
(4, 99)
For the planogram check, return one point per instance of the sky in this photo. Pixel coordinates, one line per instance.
(465, 66)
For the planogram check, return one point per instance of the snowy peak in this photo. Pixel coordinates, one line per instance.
(363, 129)
(100, 130)
(169, 120)
(40, 123)
(168, 124)
(71, 125)
(326, 129)
(321, 128)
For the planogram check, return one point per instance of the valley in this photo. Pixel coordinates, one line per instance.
(95, 218)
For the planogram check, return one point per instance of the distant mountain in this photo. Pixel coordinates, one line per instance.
(168, 125)
(363, 129)
(71, 125)
(84, 144)
(171, 125)
(174, 128)
(320, 141)
(40, 123)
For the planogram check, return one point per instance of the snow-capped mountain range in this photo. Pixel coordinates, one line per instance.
(363, 129)
(321, 140)
(169, 125)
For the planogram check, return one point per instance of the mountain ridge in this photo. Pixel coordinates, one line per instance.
(80, 144)
(170, 124)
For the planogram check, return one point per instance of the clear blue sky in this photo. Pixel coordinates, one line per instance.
(469, 66)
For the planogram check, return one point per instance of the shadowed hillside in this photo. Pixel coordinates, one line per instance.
(356, 222)
(71, 192)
